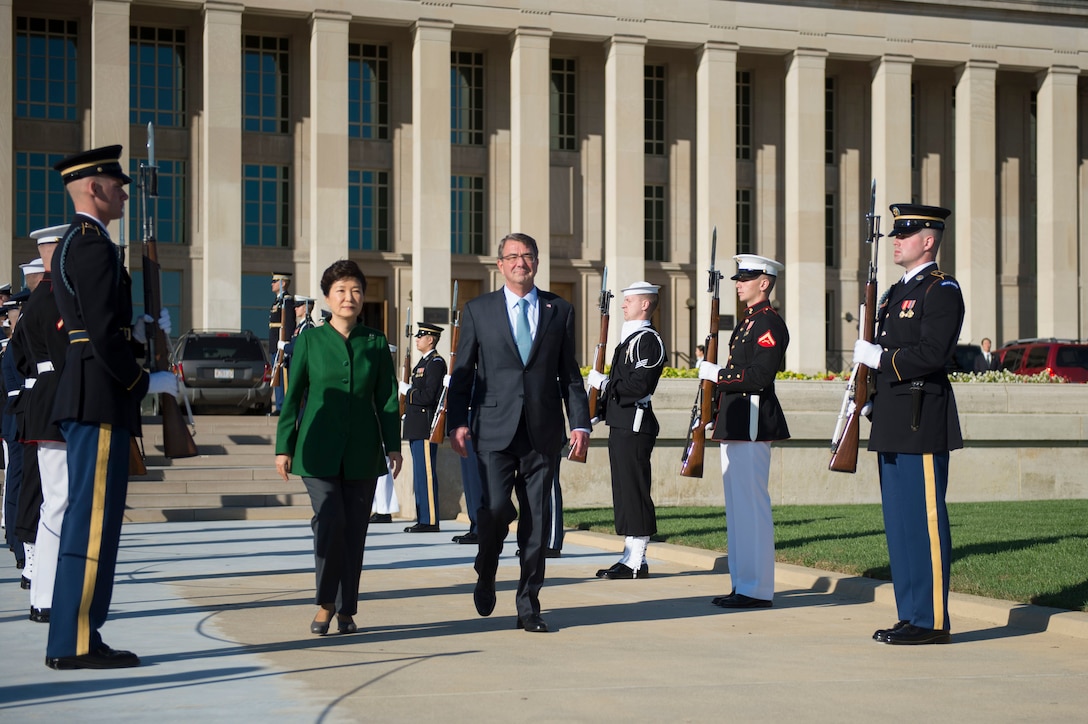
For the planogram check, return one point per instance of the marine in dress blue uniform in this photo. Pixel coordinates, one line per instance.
(916, 423)
(420, 405)
(749, 419)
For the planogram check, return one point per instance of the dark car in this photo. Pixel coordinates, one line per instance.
(964, 358)
(1066, 358)
(224, 369)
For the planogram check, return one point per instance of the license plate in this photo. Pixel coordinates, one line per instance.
(224, 374)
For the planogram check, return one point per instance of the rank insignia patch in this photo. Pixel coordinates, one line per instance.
(766, 340)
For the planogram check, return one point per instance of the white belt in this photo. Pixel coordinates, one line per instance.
(28, 383)
(14, 393)
(46, 366)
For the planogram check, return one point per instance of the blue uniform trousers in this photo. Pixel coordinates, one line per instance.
(90, 536)
(425, 480)
(912, 489)
(470, 481)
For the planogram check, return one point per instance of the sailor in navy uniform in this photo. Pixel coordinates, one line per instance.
(625, 406)
(97, 407)
(277, 320)
(916, 423)
(420, 406)
(749, 419)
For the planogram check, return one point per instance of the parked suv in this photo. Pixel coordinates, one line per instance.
(1066, 358)
(226, 369)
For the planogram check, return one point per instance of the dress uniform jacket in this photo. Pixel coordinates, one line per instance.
(421, 402)
(632, 379)
(41, 343)
(918, 324)
(276, 321)
(756, 351)
(102, 382)
(347, 393)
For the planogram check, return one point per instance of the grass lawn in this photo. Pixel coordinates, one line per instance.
(1032, 552)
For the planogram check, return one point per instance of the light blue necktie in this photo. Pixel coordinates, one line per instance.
(521, 333)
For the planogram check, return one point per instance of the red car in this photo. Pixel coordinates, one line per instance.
(1065, 358)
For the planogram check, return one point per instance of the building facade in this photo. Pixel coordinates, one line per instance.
(412, 135)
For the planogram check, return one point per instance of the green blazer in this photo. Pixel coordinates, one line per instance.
(347, 393)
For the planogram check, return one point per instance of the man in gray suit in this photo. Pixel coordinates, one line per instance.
(517, 377)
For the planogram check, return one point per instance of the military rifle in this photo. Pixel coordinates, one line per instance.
(407, 371)
(604, 302)
(845, 440)
(281, 354)
(702, 412)
(438, 424)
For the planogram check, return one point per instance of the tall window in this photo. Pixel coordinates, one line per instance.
(834, 360)
(40, 198)
(830, 236)
(168, 209)
(156, 62)
(563, 132)
(265, 101)
(368, 91)
(467, 98)
(368, 210)
(654, 92)
(744, 115)
(266, 198)
(829, 121)
(745, 240)
(655, 222)
(467, 215)
(46, 69)
(914, 125)
(256, 300)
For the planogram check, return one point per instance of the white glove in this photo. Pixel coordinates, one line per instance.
(708, 371)
(281, 345)
(139, 329)
(164, 321)
(403, 387)
(868, 354)
(163, 383)
(446, 381)
(597, 380)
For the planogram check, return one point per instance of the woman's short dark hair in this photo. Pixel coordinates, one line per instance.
(342, 269)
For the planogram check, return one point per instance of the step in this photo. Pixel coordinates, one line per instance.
(215, 500)
(188, 515)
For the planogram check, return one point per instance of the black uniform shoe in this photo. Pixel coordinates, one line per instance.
(381, 518)
(101, 658)
(621, 571)
(739, 600)
(484, 596)
(533, 623)
(39, 615)
(882, 632)
(24, 583)
(423, 528)
(911, 635)
(20, 564)
(467, 538)
(717, 600)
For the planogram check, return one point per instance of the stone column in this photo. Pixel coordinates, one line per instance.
(219, 193)
(108, 72)
(891, 148)
(431, 286)
(973, 220)
(805, 275)
(328, 142)
(715, 174)
(624, 164)
(530, 107)
(1056, 139)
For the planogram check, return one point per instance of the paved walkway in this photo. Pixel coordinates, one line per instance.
(220, 612)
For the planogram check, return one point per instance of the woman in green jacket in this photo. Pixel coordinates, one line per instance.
(340, 415)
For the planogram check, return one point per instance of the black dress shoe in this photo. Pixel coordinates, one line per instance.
(423, 528)
(533, 623)
(345, 625)
(102, 658)
(467, 539)
(381, 518)
(911, 635)
(20, 564)
(618, 571)
(739, 600)
(24, 583)
(39, 615)
(717, 600)
(484, 596)
(882, 632)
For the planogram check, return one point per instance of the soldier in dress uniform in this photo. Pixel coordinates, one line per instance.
(625, 406)
(749, 419)
(420, 406)
(281, 287)
(33, 271)
(13, 448)
(97, 407)
(916, 423)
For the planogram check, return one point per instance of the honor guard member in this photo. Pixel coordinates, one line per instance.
(277, 320)
(915, 423)
(14, 449)
(40, 343)
(420, 406)
(97, 407)
(749, 419)
(624, 404)
(33, 271)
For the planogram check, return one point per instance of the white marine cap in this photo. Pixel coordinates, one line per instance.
(50, 234)
(640, 288)
(751, 265)
(33, 267)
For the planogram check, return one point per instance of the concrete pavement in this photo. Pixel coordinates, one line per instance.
(219, 612)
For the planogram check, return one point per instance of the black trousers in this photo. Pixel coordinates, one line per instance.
(629, 456)
(341, 517)
(522, 470)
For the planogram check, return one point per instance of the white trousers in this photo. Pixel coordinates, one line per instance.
(53, 467)
(385, 496)
(746, 468)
